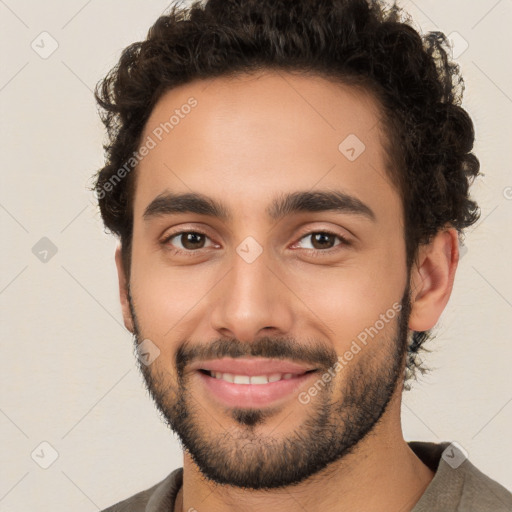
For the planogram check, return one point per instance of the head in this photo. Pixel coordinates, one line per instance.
(292, 183)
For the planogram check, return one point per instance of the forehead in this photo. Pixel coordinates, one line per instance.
(245, 139)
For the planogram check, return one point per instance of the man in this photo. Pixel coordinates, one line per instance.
(289, 182)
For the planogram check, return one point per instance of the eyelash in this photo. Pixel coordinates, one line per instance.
(312, 252)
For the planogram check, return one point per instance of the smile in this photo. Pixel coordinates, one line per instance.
(238, 390)
(253, 379)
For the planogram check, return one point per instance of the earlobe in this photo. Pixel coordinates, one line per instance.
(123, 291)
(432, 279)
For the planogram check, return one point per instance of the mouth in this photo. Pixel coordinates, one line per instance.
(252, 386)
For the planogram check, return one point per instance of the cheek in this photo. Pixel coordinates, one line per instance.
(167, 298)
(352, 298)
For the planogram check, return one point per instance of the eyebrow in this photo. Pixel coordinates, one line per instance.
(282, 206)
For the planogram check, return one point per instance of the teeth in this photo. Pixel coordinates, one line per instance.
(256, 379)
(227, 376)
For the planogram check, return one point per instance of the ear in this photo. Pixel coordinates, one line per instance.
(432, 279)
(123, 291)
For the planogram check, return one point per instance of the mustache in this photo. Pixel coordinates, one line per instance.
(312, 353)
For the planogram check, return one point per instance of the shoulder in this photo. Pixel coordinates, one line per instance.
(458, 485)
(161, 496)
(481, 493)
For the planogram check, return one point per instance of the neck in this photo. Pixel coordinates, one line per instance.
(382, 474)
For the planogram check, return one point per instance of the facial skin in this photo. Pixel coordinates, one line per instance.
(305, 298)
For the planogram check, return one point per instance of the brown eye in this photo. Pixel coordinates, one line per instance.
(323, 240)
(184, 242)
(192, 240)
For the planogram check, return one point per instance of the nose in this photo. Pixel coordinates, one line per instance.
(252, 300)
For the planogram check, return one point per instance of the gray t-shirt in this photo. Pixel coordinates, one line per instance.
(456, 487)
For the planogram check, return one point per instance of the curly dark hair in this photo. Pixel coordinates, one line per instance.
(363, 43)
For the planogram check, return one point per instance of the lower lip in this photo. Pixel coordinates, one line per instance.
(253, 395)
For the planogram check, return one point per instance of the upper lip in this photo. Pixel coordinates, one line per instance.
(253, 366)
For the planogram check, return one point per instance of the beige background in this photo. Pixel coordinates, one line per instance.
(68, 375)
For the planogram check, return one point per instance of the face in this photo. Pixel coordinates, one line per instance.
(267, 231)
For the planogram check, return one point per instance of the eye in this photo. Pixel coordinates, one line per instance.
(324, 241)
(190, 241)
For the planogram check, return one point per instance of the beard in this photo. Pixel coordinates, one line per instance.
(337, 420)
